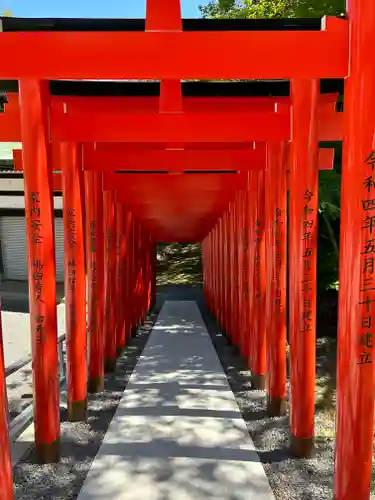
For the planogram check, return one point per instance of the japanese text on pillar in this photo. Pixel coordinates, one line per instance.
(367, 255)
(308, 251)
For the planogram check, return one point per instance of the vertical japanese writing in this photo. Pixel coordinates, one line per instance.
(72, 228)
(93, 231)
(72, 266)
(38, 272)
(93, 242)
(308, 254)
(118, 257)
(367, 262)
(278, 235)
(36, 225)
(39, 328)
(108, 297)
(37, 264)
(72, 274)
(245, 274)
(258, 236)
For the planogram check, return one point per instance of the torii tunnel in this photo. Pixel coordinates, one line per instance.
(171, 130)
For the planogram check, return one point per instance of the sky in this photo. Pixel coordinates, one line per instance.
(89, 8)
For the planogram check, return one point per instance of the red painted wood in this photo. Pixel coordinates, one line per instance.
(75, 280)
(95, 278)
(303, 190)
(355, 357)
(6, 478)
(103, 126)
(41, 267)
(174, 159)
(163, 55)
(276, 256)
(110, 310)
(146, 110)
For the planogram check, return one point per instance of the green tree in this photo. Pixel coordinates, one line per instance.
(247, 9)
(7, 13)
(319, 8)
(272, 8)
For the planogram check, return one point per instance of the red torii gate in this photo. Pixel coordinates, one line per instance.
(302, 56)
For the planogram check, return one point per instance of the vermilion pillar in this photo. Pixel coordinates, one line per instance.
(208, 269)
(154, 249)
(252, 312)
(133, 277)
(128, 274)
(144, 290)
(75, 281)
(275, 312)
(141, 253)
(109, 224)
(245, 277)
(34, 109)
(240, 262)
(250, 304)
(151, 249)
(95, 279)
(259, 365)
(227, 308)
(136, 278)
(147, 275)
(356, 373)
(232, 274)
(204, 273)
(215, 270)
(303, 191)
(6, 479)
(120, 275)
(235, 283)
(221, 273)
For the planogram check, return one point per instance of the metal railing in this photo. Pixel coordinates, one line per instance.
(18, 424)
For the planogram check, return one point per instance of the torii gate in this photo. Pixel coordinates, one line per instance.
(179, 134)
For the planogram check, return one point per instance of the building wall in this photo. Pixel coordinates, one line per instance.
(13, 247)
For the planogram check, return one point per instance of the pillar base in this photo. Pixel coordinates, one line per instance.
(110, 365)
(77, 411)
(95, 384)
(301, 447)
(48, 453)
(259, 382)
(276, 407)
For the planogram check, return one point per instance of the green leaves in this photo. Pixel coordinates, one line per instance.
(250, 9)
(7, 13)
(272, 8)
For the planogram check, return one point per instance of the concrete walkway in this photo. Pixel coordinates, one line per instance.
(177, 433)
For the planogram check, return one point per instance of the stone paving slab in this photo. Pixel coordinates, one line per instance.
(177, 433)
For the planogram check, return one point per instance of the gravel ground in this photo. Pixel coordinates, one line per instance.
(79, 441)
(290, 478)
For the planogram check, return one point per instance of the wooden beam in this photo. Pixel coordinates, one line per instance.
(177, 55)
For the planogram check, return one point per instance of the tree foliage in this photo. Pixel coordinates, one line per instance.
(272, 8)
(7, 13)
(246, 9)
